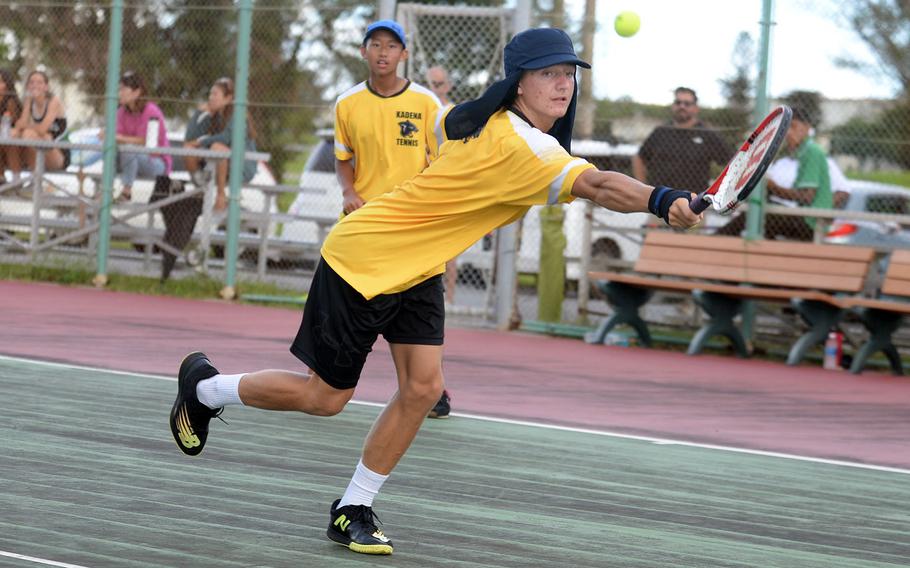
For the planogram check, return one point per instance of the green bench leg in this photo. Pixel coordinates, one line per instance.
(626, 301)
(821, 318)
(720, 310)
(881, 325)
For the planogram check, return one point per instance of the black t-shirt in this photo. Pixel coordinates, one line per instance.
(681, 157)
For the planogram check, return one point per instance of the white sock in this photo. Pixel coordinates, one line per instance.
(363, 487)
(220, 390)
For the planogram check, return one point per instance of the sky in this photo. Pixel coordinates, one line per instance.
(690, 42)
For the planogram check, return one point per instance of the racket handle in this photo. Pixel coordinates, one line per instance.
(700, 203)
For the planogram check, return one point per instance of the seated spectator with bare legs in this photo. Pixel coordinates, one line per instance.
(134, 117)
(43, 118)
(211, 128)
(11, 109)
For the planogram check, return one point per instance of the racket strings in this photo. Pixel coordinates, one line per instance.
(725, 193)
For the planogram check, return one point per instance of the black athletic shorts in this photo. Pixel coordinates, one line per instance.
(340, 326)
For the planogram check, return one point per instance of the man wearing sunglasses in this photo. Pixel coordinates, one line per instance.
(679, 153)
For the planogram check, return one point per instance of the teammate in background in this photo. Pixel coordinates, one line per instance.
(381, 268)
(680, 153)
(381, 130)
(381, 124)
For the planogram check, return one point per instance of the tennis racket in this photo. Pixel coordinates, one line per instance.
(747, 167)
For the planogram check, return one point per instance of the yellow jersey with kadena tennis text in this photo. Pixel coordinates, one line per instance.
(385, 136)
(405, 236)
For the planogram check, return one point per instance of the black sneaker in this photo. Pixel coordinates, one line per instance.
(353, 526)
(442, 408)
(189, 417)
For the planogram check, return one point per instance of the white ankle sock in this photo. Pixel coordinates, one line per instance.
(220, 390)
(363, 487)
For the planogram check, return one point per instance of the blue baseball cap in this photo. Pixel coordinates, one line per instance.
(539, 48)
(388, 25)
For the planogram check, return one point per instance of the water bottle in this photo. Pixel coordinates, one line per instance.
(151, 133)
(618, 339)
(6, 124)
(833, 351)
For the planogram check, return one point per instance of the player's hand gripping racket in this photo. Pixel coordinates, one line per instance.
(744, 171)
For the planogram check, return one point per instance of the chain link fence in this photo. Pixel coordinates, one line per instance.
(466, 43)
(305, 52)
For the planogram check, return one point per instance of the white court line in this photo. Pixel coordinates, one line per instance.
(658, 441)
(44, 561)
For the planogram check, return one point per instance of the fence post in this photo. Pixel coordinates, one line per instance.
(238, 145)
(755, 215)
(110, 140)
(386, 9)
(506, 253)
(756, 201)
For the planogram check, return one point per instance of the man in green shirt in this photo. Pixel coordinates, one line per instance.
(812, 187)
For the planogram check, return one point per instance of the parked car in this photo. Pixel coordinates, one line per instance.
(873, 197)
(318, 202)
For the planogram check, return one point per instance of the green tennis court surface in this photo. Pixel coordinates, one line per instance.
(91, 477)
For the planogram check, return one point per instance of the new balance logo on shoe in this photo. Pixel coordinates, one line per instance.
(189, 419)
(354, 527)
(185, 431)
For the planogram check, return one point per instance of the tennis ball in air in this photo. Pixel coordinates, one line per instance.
(627, 23)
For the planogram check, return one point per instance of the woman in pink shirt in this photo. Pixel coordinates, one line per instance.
(133, 118)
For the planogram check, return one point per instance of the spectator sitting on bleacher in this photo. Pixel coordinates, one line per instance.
(10, 106)
(134, 117)
(43, 118)
(210, 128)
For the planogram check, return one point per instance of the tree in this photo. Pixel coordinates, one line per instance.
(737, 89)
(181, 47)
(884, 25)
(881, 140)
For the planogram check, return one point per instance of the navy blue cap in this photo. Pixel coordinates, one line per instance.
(539, 48)
(388, 25)
(528, 50)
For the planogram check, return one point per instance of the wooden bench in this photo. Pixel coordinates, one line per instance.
(882, 316)
(722, 273)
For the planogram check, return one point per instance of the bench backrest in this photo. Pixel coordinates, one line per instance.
(897, 279)
(834, 268)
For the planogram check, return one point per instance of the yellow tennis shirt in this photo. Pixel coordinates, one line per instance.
(385, 136)
(405, 236)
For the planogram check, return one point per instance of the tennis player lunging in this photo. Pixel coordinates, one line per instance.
(381, 267)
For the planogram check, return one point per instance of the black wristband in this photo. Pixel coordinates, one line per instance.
(662, 199)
